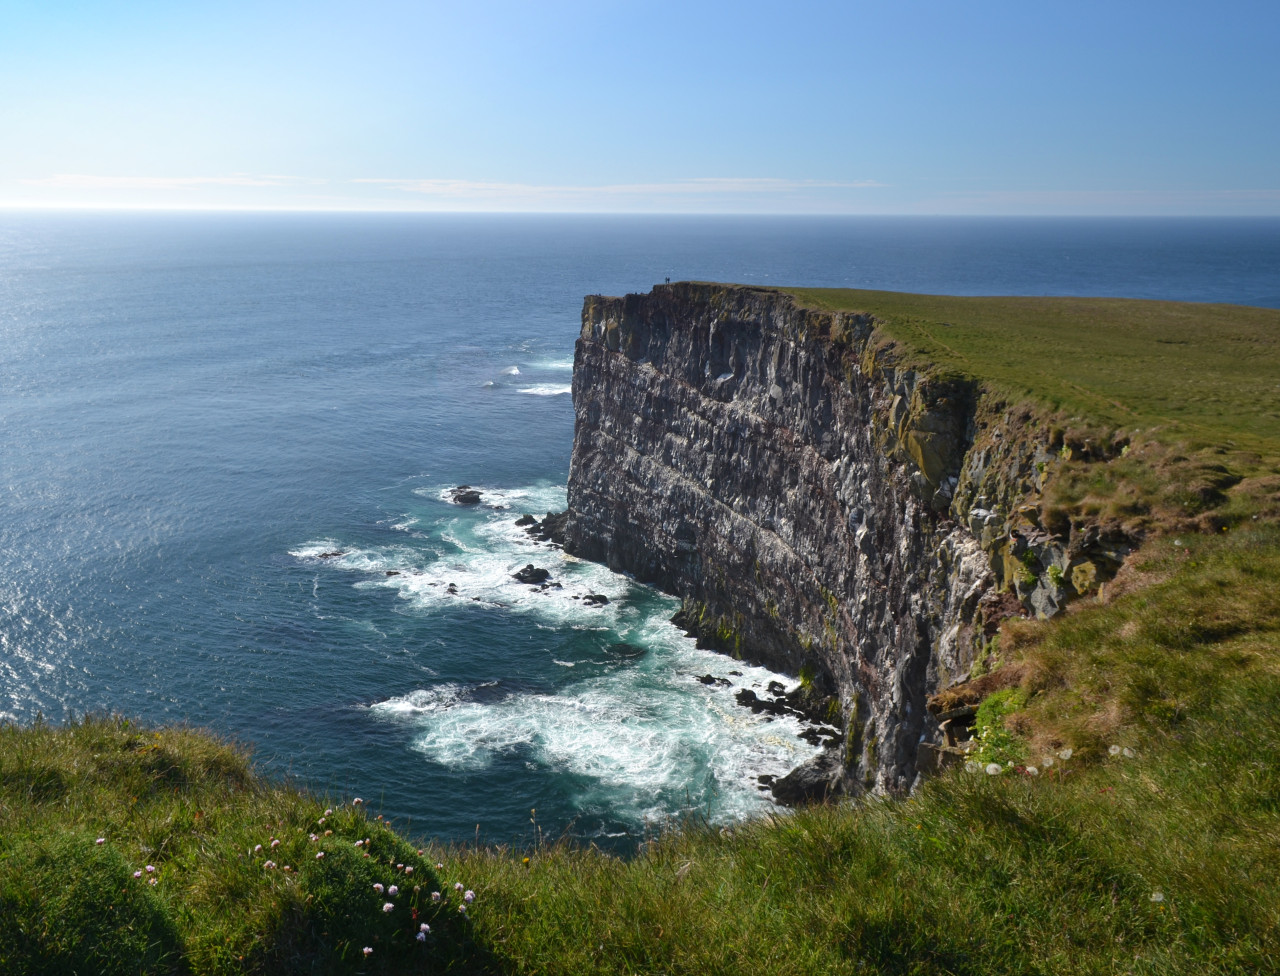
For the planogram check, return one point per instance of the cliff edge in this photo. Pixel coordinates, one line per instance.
(818, 506)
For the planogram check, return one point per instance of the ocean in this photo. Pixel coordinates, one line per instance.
(226, 448)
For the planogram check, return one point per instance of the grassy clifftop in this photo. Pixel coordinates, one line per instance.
(1128, 823)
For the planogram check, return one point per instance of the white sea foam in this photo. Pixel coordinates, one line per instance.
(555, 364)
(546, 389)
(511, 371)
(637, 731)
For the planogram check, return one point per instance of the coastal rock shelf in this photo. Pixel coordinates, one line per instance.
(818, 509)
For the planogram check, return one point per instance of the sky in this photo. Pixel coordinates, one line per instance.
(1124, 107)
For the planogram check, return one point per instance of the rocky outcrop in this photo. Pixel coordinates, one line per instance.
(817, 507)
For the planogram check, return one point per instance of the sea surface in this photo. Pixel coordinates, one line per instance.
(197, 411)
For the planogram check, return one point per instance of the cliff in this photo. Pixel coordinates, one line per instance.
(818, 507)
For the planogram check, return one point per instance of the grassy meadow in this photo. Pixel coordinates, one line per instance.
(1131, 825)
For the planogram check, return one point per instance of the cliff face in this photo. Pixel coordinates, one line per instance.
(817, 508)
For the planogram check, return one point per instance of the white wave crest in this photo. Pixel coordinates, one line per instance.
(546, 389)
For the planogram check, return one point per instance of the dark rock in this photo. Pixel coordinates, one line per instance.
(550, 529)
(532, 574)
(811, 782)
(626, 652)
(452, 588)
(595, 599)
(465, 495)
(707, 679)
(332, 555)
(392, 572)
(777, 688)
(525, 520)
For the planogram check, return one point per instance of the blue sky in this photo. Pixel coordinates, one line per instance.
(894, 106)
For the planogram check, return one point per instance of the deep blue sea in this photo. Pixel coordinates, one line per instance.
(193, 408)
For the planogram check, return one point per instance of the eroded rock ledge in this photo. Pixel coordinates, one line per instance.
(817, 508)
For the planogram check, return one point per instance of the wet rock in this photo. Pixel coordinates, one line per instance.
(465, 495)
(332, 555)
(595, 600)
(811, 782)
(550, 529)
(532, 575)
(392, 572)
(526, 520)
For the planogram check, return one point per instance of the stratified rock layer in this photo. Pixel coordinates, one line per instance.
(808, 500)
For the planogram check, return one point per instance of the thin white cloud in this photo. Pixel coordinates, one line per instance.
(84, 181)
(475, 189)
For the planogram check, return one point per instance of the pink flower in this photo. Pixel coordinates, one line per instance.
(368, 951)
(435, 895)
(328, 812)
(377, 886)
(137, 874)
(151, 869)
(355, 803)
(393, 891)
(422, 936)
(359, 843)
(408, 870)
(257, 848)
(275, 843)
(457, 885)
(319, 855)
(469, 897)
(424, 927)
(100, 840)
(269, 865)
(388, 907)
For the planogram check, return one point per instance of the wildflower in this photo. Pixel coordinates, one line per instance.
(359, 843)
(409, 869)
(463, 909)
(469, 897)
(1113, 750)
(424, 927)
(969, 767)
(151, 880)
(393, 891)
(137, 874)
(257, 848)
(457, 885)
(319, 855)
(377, 886)
(1157, 896)
(320, 821)
(368, 951)
(151, 869)
(269, 865)
(100, 840)
(1032, 771)
(422, 936)
(355, 803)
(435, 896)
(439, 866)
(328, 811)
(416, 889)
(275, 843)
(328, 833)
(1127, 752)
(312, 837)
(388, 907)
(399, 867)
(994, 769)
(1065, 754)
(286, 869)
(419, 852)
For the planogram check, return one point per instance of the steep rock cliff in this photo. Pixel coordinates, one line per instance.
(817, 507)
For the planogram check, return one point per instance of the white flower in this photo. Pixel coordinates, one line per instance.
(969, 767)
(994, 769)
(393, 891)
(1157, 896)
(151, 881)
(1127, 752)
(359, 843)
(1046, 762)
(355, 803)
(269, 865)
(257, 848)
(1032, 771)
(435, 896)
(1113, 750)
(368, 951)
(1065, 754)
(388, 907)
(457, 885)
(408, 870)
(319, 855)
(469, 897)
(328, 812)
(377, 886)
(424, 927)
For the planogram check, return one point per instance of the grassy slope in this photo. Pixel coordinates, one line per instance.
(1163, 861)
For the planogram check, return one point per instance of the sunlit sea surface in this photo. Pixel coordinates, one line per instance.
(196, 411)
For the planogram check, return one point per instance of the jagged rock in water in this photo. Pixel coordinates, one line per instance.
(465, 495)
(532, 575)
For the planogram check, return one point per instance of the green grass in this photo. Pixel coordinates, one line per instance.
(1208, 373)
